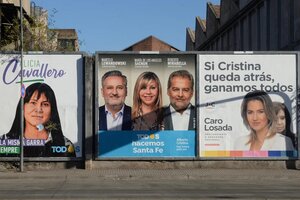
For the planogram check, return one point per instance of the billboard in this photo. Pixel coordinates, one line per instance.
(248, 105)
(52, 92)
(135, 118)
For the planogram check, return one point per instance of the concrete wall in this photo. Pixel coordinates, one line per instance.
(228, 10)
(296, 25)
(200, 32)
(212, 23)
(258, 25)
(190, 40)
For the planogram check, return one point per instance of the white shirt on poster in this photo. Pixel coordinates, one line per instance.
(180, 121)
(278, 142)
(114, 123)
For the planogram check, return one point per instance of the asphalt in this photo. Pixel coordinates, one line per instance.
(150, 184)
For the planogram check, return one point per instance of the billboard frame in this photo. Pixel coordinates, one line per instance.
(297, 57)
(197, 99)
(96, 92)
(82, 107)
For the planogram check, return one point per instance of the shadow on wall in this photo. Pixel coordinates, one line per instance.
(79, 163)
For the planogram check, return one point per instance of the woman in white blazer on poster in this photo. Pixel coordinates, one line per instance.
(259, 117)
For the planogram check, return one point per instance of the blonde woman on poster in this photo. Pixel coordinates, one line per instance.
(259, 117)
(147, 103)
(41, 123)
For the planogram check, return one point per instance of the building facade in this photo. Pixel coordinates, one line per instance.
(37, 35)
(9, 16)
(66, 39)
(151, 43)
(247, 25)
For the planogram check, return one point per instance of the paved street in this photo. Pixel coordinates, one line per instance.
(151, 184)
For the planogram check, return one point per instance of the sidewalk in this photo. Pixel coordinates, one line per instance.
(166, 174)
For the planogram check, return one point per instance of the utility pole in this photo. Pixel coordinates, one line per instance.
(22, 91)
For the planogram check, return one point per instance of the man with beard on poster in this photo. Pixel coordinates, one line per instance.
(114, 115)
(180, 114)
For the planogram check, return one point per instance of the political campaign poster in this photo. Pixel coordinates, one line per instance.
(146, 105)
(51, 89)
(247, 106)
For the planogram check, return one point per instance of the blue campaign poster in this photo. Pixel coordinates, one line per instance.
(114, 144)
(146, 106)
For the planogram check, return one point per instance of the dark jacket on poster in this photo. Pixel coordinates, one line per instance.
(168, 124)
(126, 124)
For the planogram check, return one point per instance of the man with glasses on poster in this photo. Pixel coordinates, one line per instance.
(114, 115)
(180, 114)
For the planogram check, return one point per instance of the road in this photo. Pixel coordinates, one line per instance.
(151, 184)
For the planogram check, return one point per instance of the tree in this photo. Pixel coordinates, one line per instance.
(36, 34)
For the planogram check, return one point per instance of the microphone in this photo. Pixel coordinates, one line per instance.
(40, 127)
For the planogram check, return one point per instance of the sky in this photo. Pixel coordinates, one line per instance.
(113, 25)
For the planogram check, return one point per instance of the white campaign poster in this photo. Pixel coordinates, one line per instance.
(63, 75)
(224, 81)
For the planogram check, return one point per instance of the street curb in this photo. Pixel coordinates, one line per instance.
(125, 174)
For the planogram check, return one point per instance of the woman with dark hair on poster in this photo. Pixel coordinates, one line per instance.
(147, 102)
(41, 123)
(283, 125)
(259, 117)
